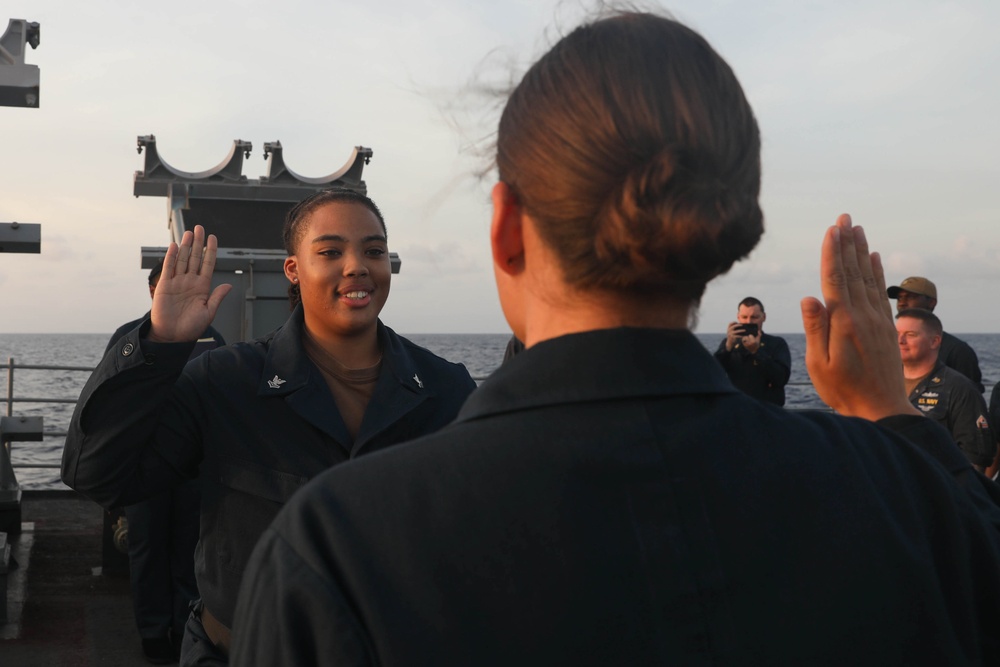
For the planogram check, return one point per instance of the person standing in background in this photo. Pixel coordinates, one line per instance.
(162, 536)
(993, 471)
(757, 363)
(918, 292)
(940, 392)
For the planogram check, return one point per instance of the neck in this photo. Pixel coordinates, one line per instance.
(540, 304)
(581, 311)
(351, 352)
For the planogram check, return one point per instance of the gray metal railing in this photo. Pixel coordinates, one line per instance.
(12, 398)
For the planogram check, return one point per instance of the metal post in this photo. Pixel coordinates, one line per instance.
(10, 385)
(249, 333)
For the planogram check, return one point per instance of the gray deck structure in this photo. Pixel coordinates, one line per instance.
(61, 608)
(19, 81)
(64, 604)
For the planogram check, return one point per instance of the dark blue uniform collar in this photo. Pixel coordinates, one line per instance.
(288, 372)
(597, 366)
(288, 368)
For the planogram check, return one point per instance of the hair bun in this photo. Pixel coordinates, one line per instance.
(672, 221)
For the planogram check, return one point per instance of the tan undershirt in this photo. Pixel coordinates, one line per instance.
(352, 388)
(912, 384)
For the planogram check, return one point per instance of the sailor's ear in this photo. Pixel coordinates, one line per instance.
(507, 231)
(292, 269)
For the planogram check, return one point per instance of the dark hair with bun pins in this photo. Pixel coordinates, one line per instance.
(632, 146)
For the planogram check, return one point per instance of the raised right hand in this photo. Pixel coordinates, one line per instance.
(184, 303)
(852, 350)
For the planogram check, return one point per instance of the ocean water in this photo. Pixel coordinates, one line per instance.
(481, 354)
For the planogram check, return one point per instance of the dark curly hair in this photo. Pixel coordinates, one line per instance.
(291, 233)
(632, 146)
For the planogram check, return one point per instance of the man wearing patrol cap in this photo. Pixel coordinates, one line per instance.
(919, 292)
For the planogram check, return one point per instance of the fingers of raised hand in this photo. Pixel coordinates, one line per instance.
(883, 298)
(197, 249)
(854, 259)
(191, 253)
(874, 295)
(848, 275)
(815, 323)
(832, 278)
(866, 282)
(178, 257)
(211, 253)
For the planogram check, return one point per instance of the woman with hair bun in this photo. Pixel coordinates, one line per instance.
(607, 497)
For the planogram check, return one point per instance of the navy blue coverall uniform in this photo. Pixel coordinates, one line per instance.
(762, 374)
(162, 535)
(253, 421)
(950, 398)
(609, 498)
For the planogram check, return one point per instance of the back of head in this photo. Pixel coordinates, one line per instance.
(633, 148)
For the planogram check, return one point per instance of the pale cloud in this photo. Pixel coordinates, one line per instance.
(903, 264)
(975, 254)
(965, 258)
(445, 259)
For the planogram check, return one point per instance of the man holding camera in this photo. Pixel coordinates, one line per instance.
(757, 363)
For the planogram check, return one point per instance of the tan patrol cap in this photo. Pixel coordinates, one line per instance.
(914, 285)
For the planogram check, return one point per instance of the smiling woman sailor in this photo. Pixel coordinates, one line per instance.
(257, 420)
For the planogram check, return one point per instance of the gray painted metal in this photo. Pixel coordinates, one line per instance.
(22, 237)
(19, 81)
(12, 429)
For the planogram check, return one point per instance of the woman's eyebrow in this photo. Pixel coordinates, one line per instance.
(329, 237)
(337, 237)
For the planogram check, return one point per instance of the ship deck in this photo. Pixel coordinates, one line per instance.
(62, 610)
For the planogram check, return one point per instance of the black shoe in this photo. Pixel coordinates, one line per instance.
(158, 651)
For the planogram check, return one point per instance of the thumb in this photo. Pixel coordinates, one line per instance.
(216, 297)
(816, 323)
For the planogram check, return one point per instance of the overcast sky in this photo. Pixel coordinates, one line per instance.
(886, 110)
